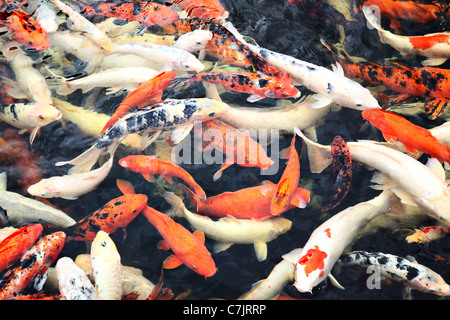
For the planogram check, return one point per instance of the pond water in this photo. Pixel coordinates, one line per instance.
(279, 26)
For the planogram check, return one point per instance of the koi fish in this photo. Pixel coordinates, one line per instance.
(341, 165)
(414, 137)
(205, 9)
(80, 23)
(114, 79)
(288, 183)
(171, 113)
(337, 87)
(106, 267)
(147, 13)
(172, 57)
(237, 145)
(188, 248)
(406, 270)
(428, 83)
(17, 243)
(414, 183)
(116, 213)
(408, 10)
(38, 296)
(150, 165)
(193, 41)
(314, 262)
(25, 116)
(149, 92)
(33, 265)
(45, 15)
(257, 85)
(246, 203)
(24, 210)
(434, 46)
(428, 234)
(230, 230)
(71, 186)
(73, 282)
(24, 29)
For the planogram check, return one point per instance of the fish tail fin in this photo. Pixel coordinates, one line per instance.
(178, 206)
(192, 196)
(125, 186)
(180, 83)
(319, 156)
(59, 82)
(372, 14)
(84, 162)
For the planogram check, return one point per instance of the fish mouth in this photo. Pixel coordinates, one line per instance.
(302, 288)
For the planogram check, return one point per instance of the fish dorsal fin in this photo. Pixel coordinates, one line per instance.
(3, 181)
(200, 235)
(293, 256)
(436, 167)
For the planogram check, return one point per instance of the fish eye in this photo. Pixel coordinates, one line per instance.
(103, 243)
(198, 42)
(41, 117)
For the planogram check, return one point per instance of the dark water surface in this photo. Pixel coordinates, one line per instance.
(293, 31)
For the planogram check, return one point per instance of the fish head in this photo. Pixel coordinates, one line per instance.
(103, 246)
(280, 201)
(431, 282)
(188, 62)
(42, 114)
(27, 31)
(310, 269)
(208, 109)
(43, 188)
(193, 41)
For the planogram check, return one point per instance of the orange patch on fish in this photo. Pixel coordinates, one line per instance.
(313, 260)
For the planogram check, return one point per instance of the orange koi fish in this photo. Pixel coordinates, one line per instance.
(24, 29)
(237, 145)
(16, 244)
(188, 248)
(428, 234)
(429, 83)
(204, 9)
(246, 203)
(288, 183)
(415, 138)
(145, 12)
(150, 92)
(341, 165)
(32, 266)
(413, 11)
(117, 213)
(150, 165)
(257, 85)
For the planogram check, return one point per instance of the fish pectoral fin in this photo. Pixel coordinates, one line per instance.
(172, 262)
(260, 250)
(149, 177)
(149, 138)
(181, 132)
(321, 101)
(335, 282)
(218, 174)
(33, 134)
(432, 62)
(254, 98)
(411, 150)
(125, 187)
(436, 167)
(389, 138)
(298, 201)
(221, 246)
(434, 107)
(200, 235)
(168, 178)
(292, 256)
(163, 245)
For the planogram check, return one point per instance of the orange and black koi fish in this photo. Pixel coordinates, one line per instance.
(32, 266)
(429, 83)
(115, 214)
(147, 13)
(341, 165)
(203, 9)
(413, 11)
(38, 296)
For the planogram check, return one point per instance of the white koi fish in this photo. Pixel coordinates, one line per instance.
(71, 186)
(106, 267)
(80, 23)
(434, 46)
(179, 115)
(229, 230)
(25, 116)
(171, 57)
(194, 41)
(331, 85)
(413, 182)
(73, 282)
(406, 270)
(24, 210)
(314, 262)
(45, 15)
(113, 79)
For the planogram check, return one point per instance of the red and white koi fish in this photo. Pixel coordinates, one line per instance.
(151, 165)
(428, 234)
(313, 262)
(106, 267)
(407, 270)
(32, 267)
(188, 248)
(288, 183)
(247, 203)
(230, 230)
(434, 46)
(17, 243)
(73, 283)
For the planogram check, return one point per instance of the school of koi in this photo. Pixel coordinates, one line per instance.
(96, 96)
